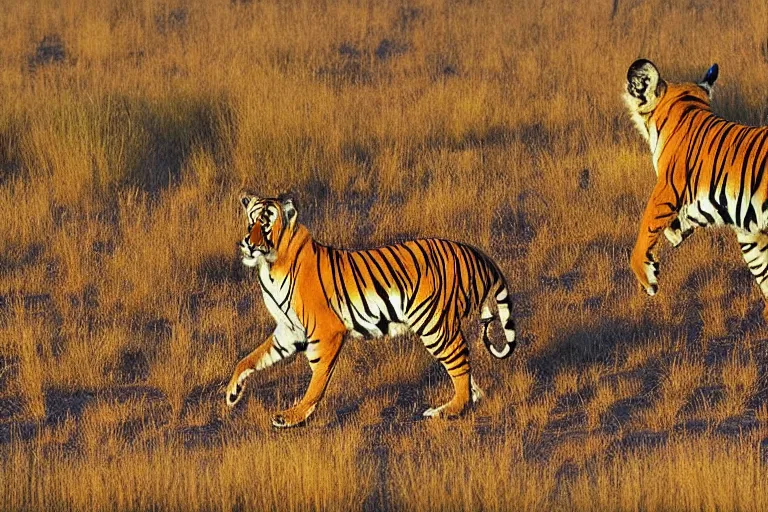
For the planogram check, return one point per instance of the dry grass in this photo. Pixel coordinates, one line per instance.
(687, 475)
(126, 131)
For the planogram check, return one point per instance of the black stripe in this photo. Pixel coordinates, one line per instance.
(380, 291)
(462, 354)
(359, 280)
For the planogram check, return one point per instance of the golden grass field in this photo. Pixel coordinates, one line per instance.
(126, 131)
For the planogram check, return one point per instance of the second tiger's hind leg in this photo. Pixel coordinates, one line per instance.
(452, 352)
(754, 248)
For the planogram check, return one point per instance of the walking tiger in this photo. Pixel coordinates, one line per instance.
(710, 171)
(318, 294)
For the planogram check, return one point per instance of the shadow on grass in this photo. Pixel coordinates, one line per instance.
(11, 432)
(62, 404)
(166, 132)
(596, 344)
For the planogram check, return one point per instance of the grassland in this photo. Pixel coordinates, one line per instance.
(126, 130)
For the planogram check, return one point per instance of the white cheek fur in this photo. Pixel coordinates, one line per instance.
(636, 116)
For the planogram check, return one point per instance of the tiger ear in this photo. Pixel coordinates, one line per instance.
(708, 82)
(644, 85)
(289, 209)
(245, 198)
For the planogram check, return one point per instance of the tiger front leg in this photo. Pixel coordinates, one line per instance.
(644, 264)
(659, 215)
(322, 356)
(265, 355)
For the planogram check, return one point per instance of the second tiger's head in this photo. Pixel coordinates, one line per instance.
(648, 94)
(268, 221)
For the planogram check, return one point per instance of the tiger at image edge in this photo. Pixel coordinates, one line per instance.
(710, 171)
(317, 295)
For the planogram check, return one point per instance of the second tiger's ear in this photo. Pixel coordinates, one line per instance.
(707, 83)
(645, 85)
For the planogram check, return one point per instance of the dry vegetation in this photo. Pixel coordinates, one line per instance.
(126, 129)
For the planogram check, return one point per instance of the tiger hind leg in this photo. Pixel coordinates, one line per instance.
(754, 249)
(453, 353)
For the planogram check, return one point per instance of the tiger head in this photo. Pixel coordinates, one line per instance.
(268, 221)
(648, 93)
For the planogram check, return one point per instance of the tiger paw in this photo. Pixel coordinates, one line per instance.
(477, 394)
(433, 412)
(647, 276)
(279, 421)
(439, 412)
(285, 421)
(233, 395)
(646, 270)
(291, 417)
(449, 410)
(235, 388)
(652, 273)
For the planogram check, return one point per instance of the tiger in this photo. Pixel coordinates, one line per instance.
(710, 171)
(317, 295)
